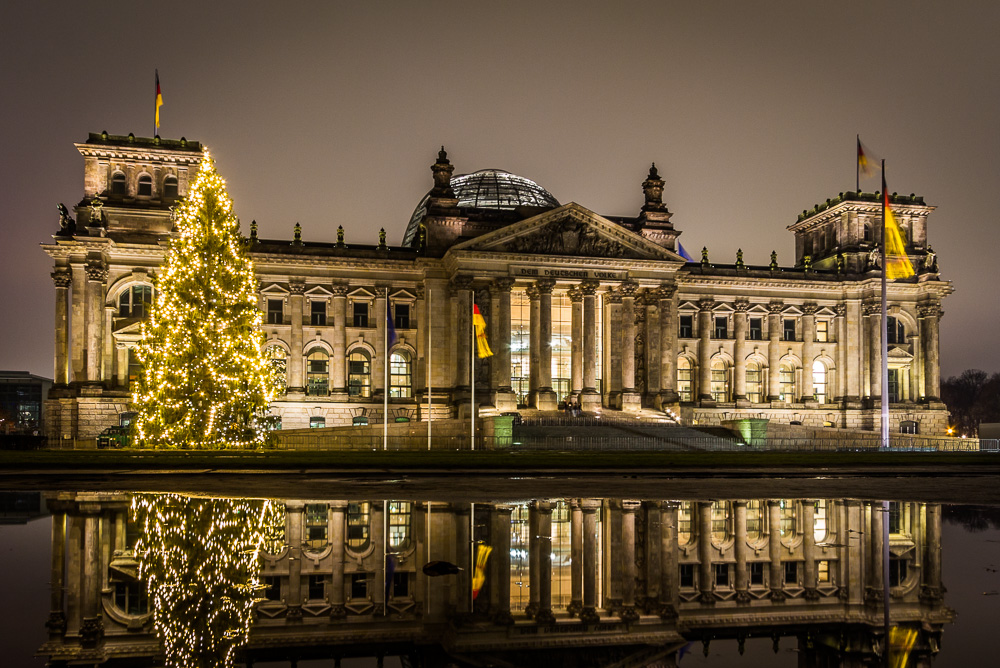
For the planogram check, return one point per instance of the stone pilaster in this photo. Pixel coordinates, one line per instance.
(63, 280)
(56, 623)
(461, 287)
(809, 550)
(930, 319)
(740, 350)
(293, 534)
(840, 329)
(576, 558)
(97, 274)
(590, 399)
(873, 312)
(381, 357)
(296, 359)
(589, 612)
(667, 309)
(500, 592)
(705, 579)
(379, 540)
(338, 364)
(931, 590)
(808, 350)
(503, 397)
(740, 548)
(545, 398)
(668, 560)
(92, 624)
(776, 576)
(627, 612)
(544, 615)
(576, 347)
(704, 349)
(108, 347)
(774, 350)
(630, 399)
(78, 324)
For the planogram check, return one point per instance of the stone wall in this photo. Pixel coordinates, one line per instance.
(932, 420)
(491, 433)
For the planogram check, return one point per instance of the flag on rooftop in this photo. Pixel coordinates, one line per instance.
(159, 101)
(683, 253)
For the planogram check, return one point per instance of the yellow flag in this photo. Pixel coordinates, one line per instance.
(159, 101)
(482, 345)
(897, 263)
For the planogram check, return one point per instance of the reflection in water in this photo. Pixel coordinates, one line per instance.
(200, 559)
(577, 581)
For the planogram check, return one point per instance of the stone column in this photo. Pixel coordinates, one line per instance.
(500, 592)
(296, 360)
(704, 351)
(775, 574)
(379, 540)
(293, 534)
(668, 559)
(590, 400)
(121, 376)
(589, 612)
(97, 274)
(78, 324)
(808, 350)
(544, 615)
(774, 350)
(339, 362)
(56, 623)
(854, 341)
(932, 590)
(462, 292)
(576, 558)
(740, 548)
(628, 612)
(420, 361)
(533, 558)
(630, 399)
(809, 550)
(650, 574)
(92, 626)
(337, 544)
(930, 335)
(875, 581)
(545, 398)
(534, 342)
(873, 310)
(741, 306)
(62, 279)
(503, 398)
(576, 354)
(613, 555)
(705, 580)
(840, 329)
(667, 308)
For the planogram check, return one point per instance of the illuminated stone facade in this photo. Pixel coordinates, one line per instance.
(594, 309)
(629, 580)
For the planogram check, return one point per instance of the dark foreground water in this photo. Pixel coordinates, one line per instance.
(144, 579)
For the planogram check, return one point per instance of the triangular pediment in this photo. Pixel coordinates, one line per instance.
(898, 354)
(569, 230)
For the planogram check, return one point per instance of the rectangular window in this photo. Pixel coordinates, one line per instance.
(755, 391)
(360, 314)
(721, 327)
(273, 587)
(687, 327)
(317, 422)
(400, 585)
(402, 316)
(897, 572)
(791, 572)
(317, 314)
(317, 587)
(722, 575)
(756, 329)
(823, 571)
(822, 331)
(685, 381)
(788, 333)
(757, 573)
(359, 585)
(316, 526)
(720, 386)
(687, 576)
(275, 311)
(894, 386)
(895, 517)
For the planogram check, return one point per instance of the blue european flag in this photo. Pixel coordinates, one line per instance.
(683, 253)
(390, 325)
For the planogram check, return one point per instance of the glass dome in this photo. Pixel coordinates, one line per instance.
(487, 189)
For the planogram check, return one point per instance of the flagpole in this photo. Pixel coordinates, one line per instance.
(156, 78)
(472, 553)
(857, 168)
(385, 554)
(385, 393)
(429, 348)
(885, 325)
(472, 369)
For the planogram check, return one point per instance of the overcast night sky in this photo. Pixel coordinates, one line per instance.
(331, 114)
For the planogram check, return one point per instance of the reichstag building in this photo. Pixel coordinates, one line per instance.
(581, 307)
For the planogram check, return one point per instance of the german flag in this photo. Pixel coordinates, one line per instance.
(159, 101)
(479, 323)
(897, 263)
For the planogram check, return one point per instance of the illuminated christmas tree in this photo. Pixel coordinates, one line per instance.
(200, 559)
(205, 382)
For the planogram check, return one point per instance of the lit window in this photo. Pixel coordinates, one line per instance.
(685, 384)
(318, 372)
(895, 517)
(275, 311)
(684, 523)
(359, 374)
(170, 187)
(720, 521)
(822, 331)
(787, 518)
(145, 186)
(358, 516)
(786, 378)
(401, 318)
(316, 527)
(819, 381)
(118, 184)
(134, 367)
(755, 383)
(820, 521)
(823, 571)
(894, 385)
(317, 422)
(720, 381)
(400, 380)
(400, 513)
(755, 521)
(360, 314)
(135, 301)
(317, 315)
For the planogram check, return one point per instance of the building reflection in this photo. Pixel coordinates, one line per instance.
(621, 582)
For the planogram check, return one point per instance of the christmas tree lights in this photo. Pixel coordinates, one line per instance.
(200, 560)
(205, 382)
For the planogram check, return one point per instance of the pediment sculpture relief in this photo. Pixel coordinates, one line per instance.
(566, 237)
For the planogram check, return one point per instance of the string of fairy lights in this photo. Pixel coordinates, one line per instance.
(205, 382)
(200, 560)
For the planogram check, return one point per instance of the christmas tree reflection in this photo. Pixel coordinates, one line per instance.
(200, 560)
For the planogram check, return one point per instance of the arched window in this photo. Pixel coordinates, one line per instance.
(316, 527)
(820, 525)
(118, 184)
(788, 517)
(359, 374)
(720, 522)
(279, 366)
(786, 378)
(318, 376)
(895, 330)
(684, 532)
(358, 517)
(135, 301)
(400, 375)
(145, 186)
(685, 385)
(868, 232)
(130, 595)
(720, 380)
(170, 187)
(755, 521)
(755, 383)
(400, 516)
(819, 381)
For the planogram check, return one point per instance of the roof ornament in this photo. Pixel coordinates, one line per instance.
(297, 238)
(442, 169)
(652, 188)
(739, 258)
(253, 231)
(704, 256)
(340, 237)
(67, 226)
(381, 239)
(774, 261)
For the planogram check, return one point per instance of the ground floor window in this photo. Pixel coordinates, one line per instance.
(819, 381)
(909, 427)
(720, 381)
(400, 375)
(755, 383)
(359, 374)
(317, 421)
(685, 383)
(318, 372)
(894, 386)
(786, 378)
